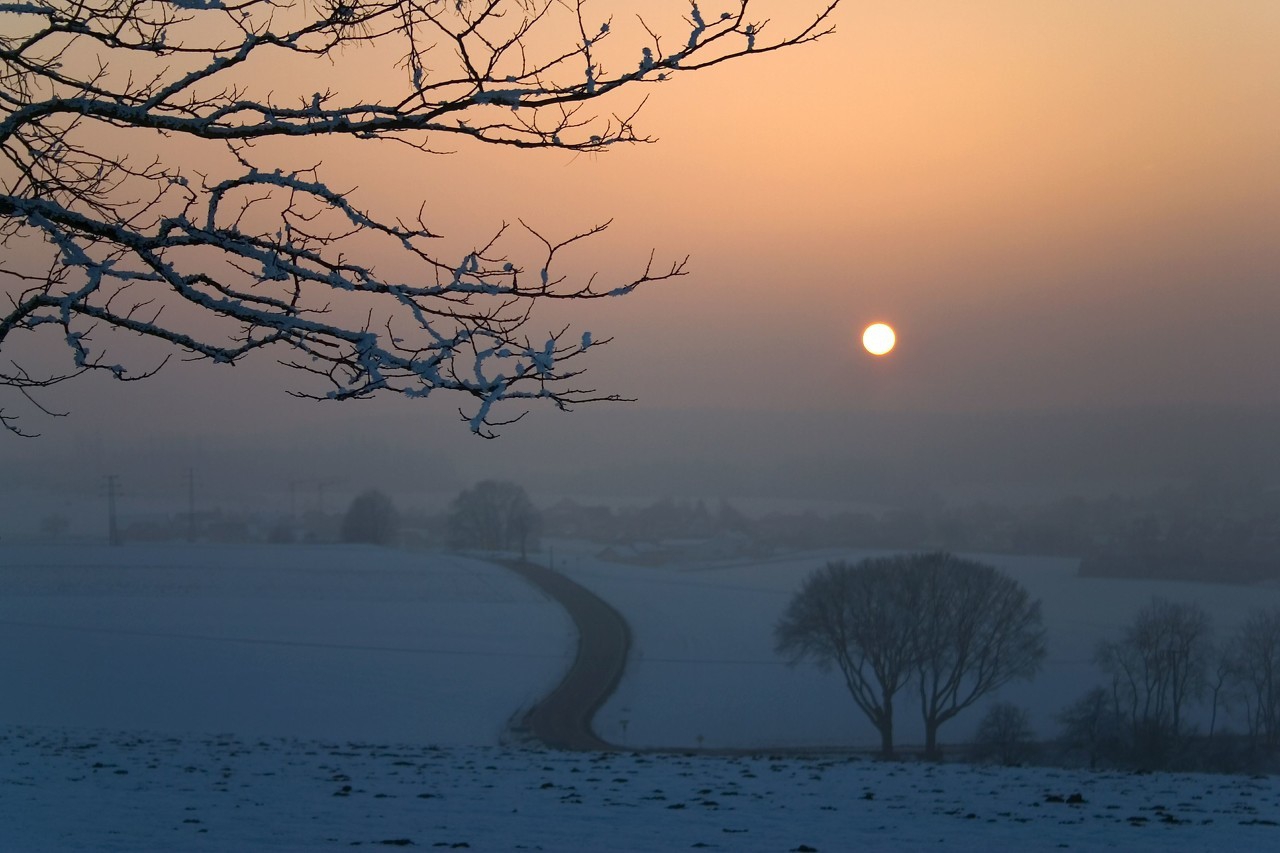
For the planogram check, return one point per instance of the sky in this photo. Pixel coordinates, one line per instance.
(1056, 204)
(1067, 211)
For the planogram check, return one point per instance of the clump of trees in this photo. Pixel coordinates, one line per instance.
(494, 515)
(371, 519)
(1164, 664)
(954, 628)
(1156, 668)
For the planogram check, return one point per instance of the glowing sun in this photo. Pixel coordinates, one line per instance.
(878, 338)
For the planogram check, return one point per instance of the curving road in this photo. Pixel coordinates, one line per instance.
(562, 720)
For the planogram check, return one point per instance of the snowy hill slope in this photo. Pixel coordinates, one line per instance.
(332, 642)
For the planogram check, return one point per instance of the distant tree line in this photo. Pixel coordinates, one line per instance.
(1223, 531)
(492, 515)
(1205, 530)
(662, 520)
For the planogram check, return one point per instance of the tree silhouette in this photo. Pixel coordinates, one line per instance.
(956, 628)
(154, 180)
(494, 515)
(1158, 665)
(371, 519)
(859, 618)
(1256, 669)
(977, 630)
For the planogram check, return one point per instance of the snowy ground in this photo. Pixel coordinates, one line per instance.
(295, 698)
(108, 791)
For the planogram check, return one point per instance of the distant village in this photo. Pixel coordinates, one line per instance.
(1201, 531)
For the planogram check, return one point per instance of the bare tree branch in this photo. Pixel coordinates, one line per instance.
(270, 249)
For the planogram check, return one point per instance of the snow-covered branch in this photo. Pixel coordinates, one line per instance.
(272, 250)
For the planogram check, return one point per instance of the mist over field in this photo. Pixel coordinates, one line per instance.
(529, 485)
(632, 453)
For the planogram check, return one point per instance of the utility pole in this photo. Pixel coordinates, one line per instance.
(191, 504)
(113, 527)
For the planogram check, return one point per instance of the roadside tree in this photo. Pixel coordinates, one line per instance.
(371, 519)
(494, 515)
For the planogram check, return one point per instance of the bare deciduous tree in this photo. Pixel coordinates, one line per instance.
(859, 618)
(978, 630)
(1257, 671)
(1223, 680)
(158, 176)
(1156, 668)
(959, 628)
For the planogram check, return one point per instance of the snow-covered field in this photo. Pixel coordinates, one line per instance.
(703, 643)
(333, 642)
(108, 791)
(383, 645)
(298, 698)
